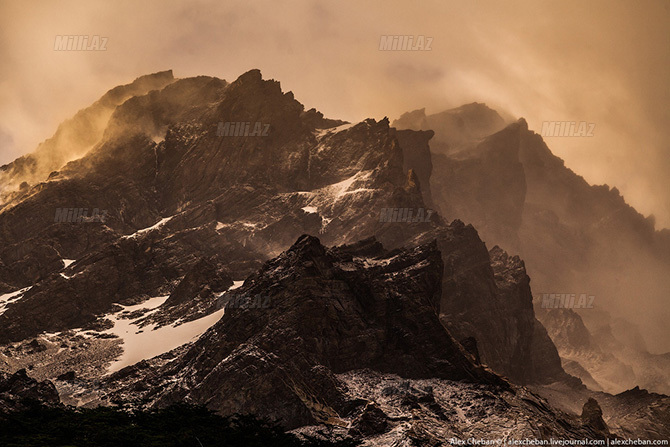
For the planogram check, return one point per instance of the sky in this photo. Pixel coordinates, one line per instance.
(602, 62)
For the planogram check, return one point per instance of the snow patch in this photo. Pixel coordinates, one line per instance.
(9, 298)
(236, 285)
(341, 188)
(333, 130)
(332, 193)
(68, 262)
(309, 209)
(155, 226)
(358, 191)
(250, 225)
(149, 341)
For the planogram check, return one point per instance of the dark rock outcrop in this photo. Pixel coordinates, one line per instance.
(18, 389)
(417, 157)
(329, 311)
(592, 416)
(487, 296)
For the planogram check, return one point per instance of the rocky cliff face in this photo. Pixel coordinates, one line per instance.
(486, 295)
(416, 156)
(324, 312)
(485, 186)
(574, 238)
(350, 338)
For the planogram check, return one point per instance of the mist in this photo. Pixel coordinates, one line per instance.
(605, 63)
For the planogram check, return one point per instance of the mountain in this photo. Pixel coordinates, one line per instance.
(195, 194)
(323, 312)
(455, 129)
(604, 360)
(73, 138)
(184, 257)
(575, 239)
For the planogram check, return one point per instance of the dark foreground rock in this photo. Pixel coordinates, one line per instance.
(349, 341)
(323, 312)
(17, 389)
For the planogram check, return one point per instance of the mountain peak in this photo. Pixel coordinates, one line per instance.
(253, 75)
(165, 74)
(523, 124)
(308, 246)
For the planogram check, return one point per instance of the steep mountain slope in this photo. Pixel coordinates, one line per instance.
(574, 238)
(334, 316)
(455, 129)
(73, 138)
(328, 311)
(604, 361)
